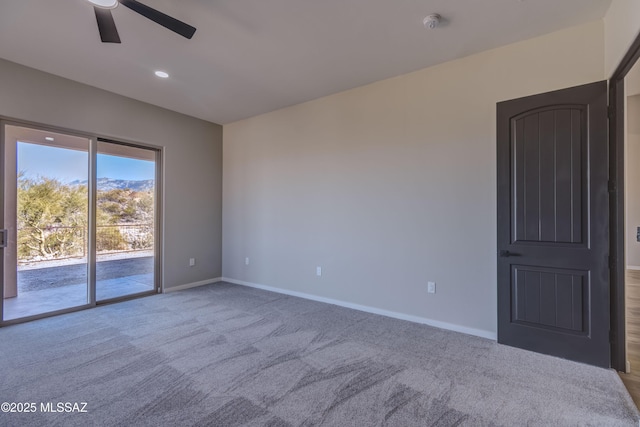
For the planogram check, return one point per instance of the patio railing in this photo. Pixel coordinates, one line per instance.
(63, 242)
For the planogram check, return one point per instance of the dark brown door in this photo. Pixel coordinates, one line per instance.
(553, 224)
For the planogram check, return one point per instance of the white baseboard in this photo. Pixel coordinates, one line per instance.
(416, 319)
(192, 285)
(633, 267)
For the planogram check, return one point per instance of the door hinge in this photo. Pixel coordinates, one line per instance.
(612, 336)
(612, 187)
(3, 238)
(611, 262)
(611, 112)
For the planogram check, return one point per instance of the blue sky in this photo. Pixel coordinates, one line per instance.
(69, 165)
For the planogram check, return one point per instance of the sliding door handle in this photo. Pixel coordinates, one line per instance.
(3, 238)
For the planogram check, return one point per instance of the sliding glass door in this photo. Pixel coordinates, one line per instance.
(46, 220)
(79, 219)
(125, 220)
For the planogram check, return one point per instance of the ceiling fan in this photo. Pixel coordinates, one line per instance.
(107, 26)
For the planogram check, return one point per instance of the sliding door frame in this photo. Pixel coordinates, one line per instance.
(158, 220)
(92, 206)
(4, 121)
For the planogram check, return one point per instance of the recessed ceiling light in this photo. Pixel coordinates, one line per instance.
(162, 74)
(49, 138)
(105, 4)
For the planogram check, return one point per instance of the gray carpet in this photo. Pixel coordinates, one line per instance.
(224, 355)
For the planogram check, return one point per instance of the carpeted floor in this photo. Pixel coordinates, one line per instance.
(224, 355)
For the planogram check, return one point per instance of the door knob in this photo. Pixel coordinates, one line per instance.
(507, 254)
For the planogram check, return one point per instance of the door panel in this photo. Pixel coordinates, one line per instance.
(550, 298)
(553, 288)
(45, 206)
(549, 181)
(125, 220)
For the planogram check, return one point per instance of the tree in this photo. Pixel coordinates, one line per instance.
(110, 239)
(52, 218)
(124, 205)
(124, 219)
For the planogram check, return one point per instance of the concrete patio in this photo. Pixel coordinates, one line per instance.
(43, 290)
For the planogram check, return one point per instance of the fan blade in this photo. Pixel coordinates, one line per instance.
(106, 26)
(185, 30)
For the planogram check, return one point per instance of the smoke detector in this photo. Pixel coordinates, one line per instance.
(432, 21)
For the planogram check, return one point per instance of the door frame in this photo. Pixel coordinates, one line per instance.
(91, 274)
(617, 204)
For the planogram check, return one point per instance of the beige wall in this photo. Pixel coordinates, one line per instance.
(632, 181)
(632, 165)
(390, 185)
(622, 24)
(192, 157)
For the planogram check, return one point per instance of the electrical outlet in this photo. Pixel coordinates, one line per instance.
(192, 262)
(318, 271)
(431, 287)
(246, 261)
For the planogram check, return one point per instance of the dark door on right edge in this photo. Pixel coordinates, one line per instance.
(553, 224)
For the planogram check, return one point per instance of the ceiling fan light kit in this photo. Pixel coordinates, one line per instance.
(104, 4)
(107, 25)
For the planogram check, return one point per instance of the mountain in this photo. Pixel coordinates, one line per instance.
(106, 184)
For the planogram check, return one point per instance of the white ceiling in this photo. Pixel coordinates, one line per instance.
(253, 56)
